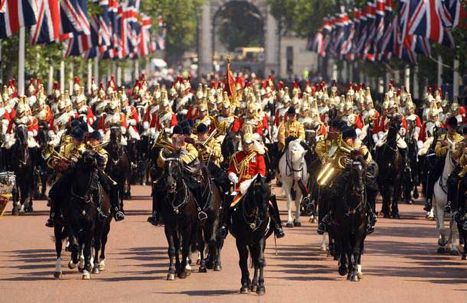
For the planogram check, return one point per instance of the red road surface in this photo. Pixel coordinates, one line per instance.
(399, 265)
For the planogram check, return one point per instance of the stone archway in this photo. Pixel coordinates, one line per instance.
(206, 34)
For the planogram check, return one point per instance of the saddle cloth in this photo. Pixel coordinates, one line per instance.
(400, 141)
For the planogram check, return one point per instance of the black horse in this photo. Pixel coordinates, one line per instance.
(229, 146)
(390, 163)
(22, 165)
(118, 166)
(410, 177)
(79, 213)
(41, 170)
(350, 209)
(180, 215)
(209, 216)
(250, 227)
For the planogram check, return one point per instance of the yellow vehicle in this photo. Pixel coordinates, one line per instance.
(7, 184)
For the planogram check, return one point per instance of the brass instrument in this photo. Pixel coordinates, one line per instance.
(163, 142)
(50, 154)
(334, 164)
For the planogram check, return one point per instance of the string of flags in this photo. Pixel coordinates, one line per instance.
(380, 31)
(117, 31)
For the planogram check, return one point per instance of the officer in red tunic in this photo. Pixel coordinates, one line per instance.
(244, 166)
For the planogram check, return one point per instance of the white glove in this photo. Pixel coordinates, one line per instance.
(402, 131)
(375, 138)
(146, 125)
(233, 178)
(30, 134)
(132, 122)
(123, 130)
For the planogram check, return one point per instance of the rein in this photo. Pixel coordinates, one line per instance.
(290, 164)
(86, 197)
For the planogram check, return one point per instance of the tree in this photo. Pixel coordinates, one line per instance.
(181, 18)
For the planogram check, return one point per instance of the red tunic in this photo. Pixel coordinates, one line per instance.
(256, 165)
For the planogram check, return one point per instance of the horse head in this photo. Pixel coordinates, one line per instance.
(257, 197)
(357, 177)
(21, 134)
(42, 134)
(88, 161)
(115, 135)
(296, 158)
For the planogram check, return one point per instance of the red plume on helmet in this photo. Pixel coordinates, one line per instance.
(77, 80)
(56, 85)
(280, 85)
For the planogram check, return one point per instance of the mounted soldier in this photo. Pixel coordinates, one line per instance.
(244, 166)
(336, 164)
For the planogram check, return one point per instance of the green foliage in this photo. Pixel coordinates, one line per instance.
(181, 17)
(302, 17)
(240, 25)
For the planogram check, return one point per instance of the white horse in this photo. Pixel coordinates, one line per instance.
(292, 170)
(439, 202)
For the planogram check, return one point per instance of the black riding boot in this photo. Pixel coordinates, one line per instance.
(323, 225)
(110, 187)
(275, 218)
(52, 214)
(370, 228)
(225, 221)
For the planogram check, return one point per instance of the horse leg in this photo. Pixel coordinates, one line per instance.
(386, 199)
(97, 246)
(243, 255)
(453, 238)
(298, 200)
(342, 264)
(218, 262)
(439, 215)
(58, 233)
(186, 245)
(395, 201)
(87, 255)
(171, 251)
(202, 234)
(105, 234)
(289, 205)
(261, 263)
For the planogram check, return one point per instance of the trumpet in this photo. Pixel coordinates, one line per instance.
(51, 154)
(163, 142)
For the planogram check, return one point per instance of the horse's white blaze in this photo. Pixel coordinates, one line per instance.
(439, 202)
(292, 169)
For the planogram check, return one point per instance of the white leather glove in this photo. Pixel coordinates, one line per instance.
(132, 122)
(146, 125)
(233, 178)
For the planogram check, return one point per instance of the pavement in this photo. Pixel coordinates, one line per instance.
(400, 264)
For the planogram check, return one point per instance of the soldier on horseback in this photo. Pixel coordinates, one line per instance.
(244, 166)
(337, 161)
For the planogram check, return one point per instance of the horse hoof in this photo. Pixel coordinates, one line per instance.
(170, 277)
(58, 275)
(342, 270)
(102, 265)
(244, 290)
(360, 275)
(261, 291)
(441, 250)
(183, 275)
(80, 269)
(217, 267)
(202, 269)
(297, 223)
(354, 278)
(253, 288)
(95, 270)
(86, 275)
(72, 265)
(289, 224)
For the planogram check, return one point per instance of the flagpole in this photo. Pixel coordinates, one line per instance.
(439, 81)
(119, 75)
(51, 78)
(96, 69)
(136, 70)
(455, 79)
(407, 78)
(89, 75)
(21, 54)
(416, 91)
(70, 78)
(62, 73)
